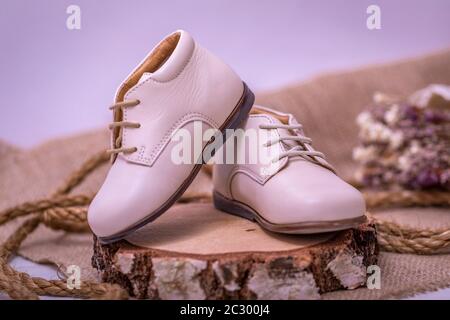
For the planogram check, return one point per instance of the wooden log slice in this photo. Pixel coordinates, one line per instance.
(197, 252)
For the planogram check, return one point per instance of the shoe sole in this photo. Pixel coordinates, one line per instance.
(240, 113)
(242, 210)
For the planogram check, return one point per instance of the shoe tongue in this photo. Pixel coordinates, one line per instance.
(144, 77)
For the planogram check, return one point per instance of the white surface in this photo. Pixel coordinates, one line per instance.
(47, 272)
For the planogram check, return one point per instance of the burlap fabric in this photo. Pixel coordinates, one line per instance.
(327, 106)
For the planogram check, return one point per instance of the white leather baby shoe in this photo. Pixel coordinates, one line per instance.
(178, 84)
(297, 192)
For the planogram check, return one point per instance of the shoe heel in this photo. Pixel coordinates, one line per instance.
(229, 206)
(240, 114)
(244, 109)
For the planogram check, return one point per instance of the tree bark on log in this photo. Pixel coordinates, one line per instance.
(299, 273)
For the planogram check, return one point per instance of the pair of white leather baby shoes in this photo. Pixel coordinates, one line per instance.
(182, 87)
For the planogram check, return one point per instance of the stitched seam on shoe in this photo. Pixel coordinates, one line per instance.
(247, 171)
(184, 120)
(234, 172)
(163, 142)
(124, 130)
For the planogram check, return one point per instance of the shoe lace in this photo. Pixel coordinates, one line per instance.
(297, 150)
(117, 127)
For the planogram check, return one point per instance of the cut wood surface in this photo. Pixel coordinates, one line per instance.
(197, 252)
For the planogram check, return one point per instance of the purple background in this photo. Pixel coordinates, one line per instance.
(55, 81)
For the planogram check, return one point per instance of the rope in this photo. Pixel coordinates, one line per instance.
(43, 205)
(59, 212)
(62, 211)
(396, 238)
(403, 198)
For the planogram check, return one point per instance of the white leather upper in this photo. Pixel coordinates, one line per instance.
(299, 191)
(191, 85)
